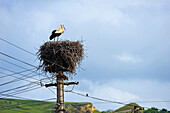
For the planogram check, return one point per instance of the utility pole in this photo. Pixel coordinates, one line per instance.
(57, 58)
(60, 95)
(60, 91)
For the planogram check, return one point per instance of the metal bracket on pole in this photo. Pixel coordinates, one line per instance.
(48, 85)
(71, 83)
(65, 83)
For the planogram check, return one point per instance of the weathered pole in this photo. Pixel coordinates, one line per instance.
(60, 91)
(60, 94)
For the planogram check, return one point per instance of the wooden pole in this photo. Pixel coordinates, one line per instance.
(60, 91)
(60, 95)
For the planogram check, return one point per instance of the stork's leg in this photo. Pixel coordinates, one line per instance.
(57, 39)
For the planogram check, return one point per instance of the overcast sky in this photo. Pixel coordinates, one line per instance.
(126, 41)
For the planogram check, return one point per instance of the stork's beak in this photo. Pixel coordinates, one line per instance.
(64, 28)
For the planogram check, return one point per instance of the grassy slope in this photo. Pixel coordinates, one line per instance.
(19, 106)
(127, 107)
(30, 106)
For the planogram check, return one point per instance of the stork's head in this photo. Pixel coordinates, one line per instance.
(62, 26)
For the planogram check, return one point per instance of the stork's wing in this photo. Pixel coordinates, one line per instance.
(53, 31)
(52, 36)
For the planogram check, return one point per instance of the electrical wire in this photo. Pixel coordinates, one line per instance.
(15, 64)
(98, 98)
(12, 63)
(104, 100)
(15, 72)
(18, 79)
(21, 60)
(16, 97)
(23, 77)
(19, 87)
(29, 52)
(19, 73)
(25, 90)
(12, 89)
(22, 98)
(52, 91)
(22, 89)
(25, 51)
(17, 59)
(4, 74)
(17, 46)
(18, 66)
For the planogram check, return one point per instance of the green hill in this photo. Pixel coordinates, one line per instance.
(31, 106)
(127, 108)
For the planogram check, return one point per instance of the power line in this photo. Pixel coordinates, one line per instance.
(25, 90)
(97, 98)
(19, 73)
(19, 87)
(23, 98)
(12, 63)
(16, 97)
(16, 72)
(16, 65)
(30, 52)
(17, 59)
(15, 88)
(23, 76)
(17, 46)
(20, 90)
(104, 100)
(51, 91)
(17, 78)
(7, 75)
(3, 76)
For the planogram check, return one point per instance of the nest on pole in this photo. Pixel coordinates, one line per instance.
(62, 56)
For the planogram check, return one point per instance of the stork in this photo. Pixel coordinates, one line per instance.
(57, 32)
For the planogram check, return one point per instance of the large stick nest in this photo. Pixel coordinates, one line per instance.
(62, 56)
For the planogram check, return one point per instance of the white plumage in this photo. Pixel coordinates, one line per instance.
(57, 32)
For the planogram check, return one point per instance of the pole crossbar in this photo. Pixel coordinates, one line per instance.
(60, 92)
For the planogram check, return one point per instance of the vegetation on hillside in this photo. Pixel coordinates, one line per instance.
(128, 108)
(32, 106)
(155, 110)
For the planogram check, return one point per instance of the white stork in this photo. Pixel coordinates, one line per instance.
(57, 32)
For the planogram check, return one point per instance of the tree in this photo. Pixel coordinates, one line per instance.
(152, 110)
(164, 111)
(155, 110)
